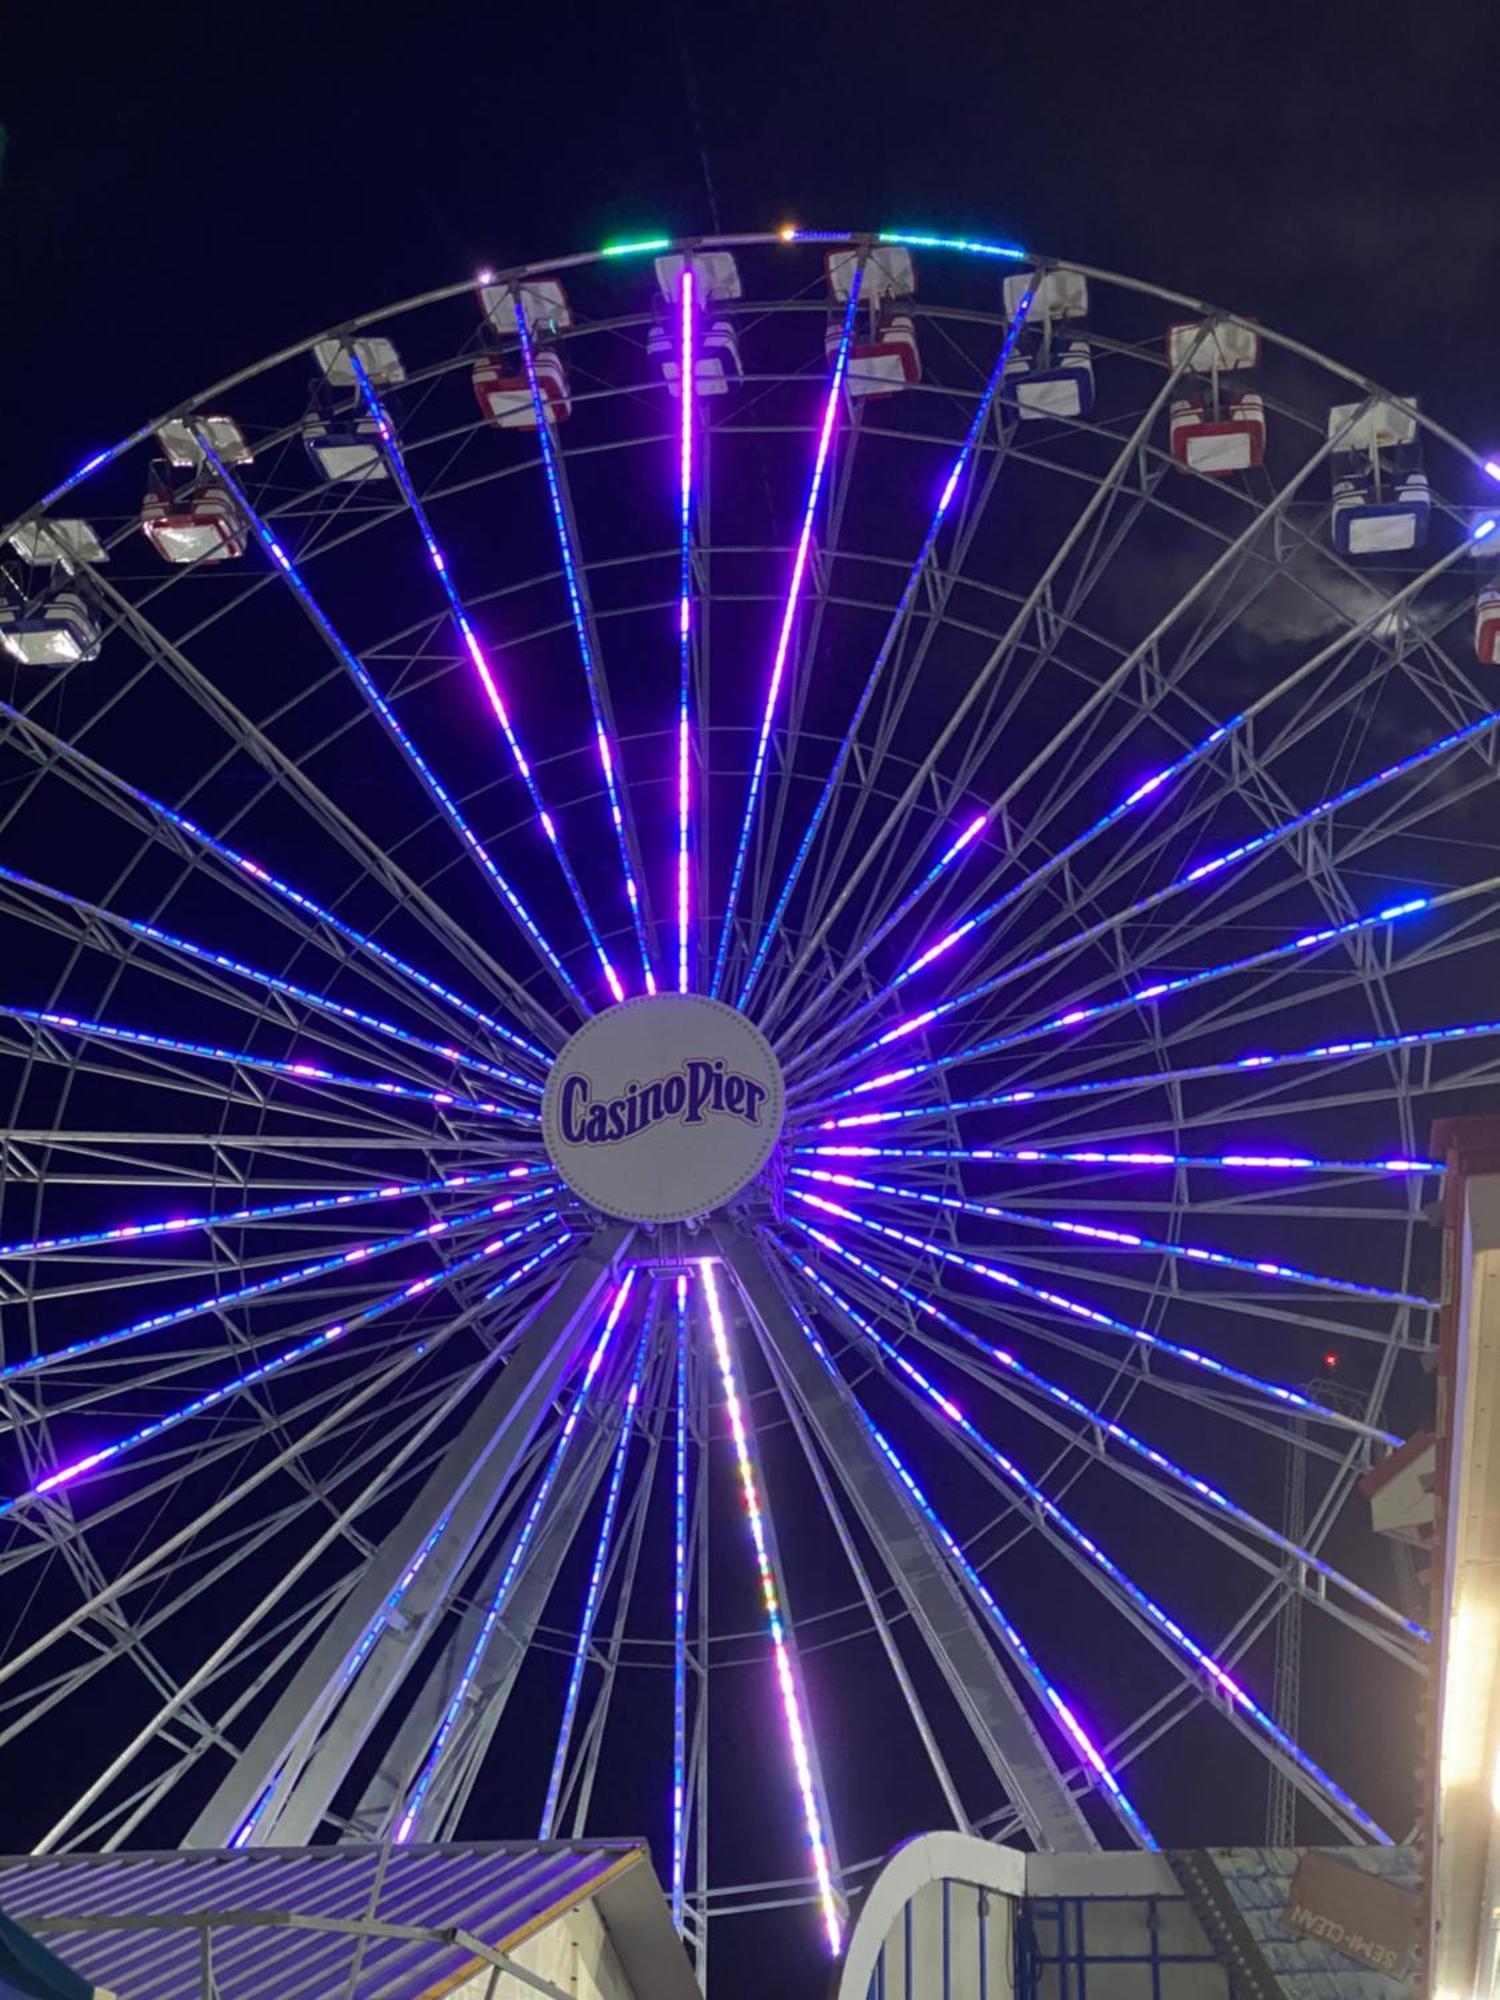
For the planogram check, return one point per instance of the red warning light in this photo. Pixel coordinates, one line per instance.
(1330, 1360)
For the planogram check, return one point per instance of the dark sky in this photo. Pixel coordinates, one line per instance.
(187, 188)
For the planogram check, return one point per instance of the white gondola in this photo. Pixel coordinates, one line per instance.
(377, 357)
(1377, 425)
(345, 448)
(1212, 347)
(1059, 294)
(1063, 390)
(717, 367)
(889, 273)
(202, 526)
(716, 275)
(178, 439)
(503, 391)
(543, 300)
(47, 542)
(58, 632)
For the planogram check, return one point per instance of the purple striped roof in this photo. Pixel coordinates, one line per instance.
(135, 1922)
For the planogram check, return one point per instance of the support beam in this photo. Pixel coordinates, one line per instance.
(446, 1520)
(934, 1597)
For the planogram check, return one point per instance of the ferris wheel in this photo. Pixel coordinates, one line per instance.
(711, 1095)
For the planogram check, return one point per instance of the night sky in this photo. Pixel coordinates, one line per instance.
(184, 190)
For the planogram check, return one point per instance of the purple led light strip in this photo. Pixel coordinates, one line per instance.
(263, 1287)
(687, 382)
(479, 660)
(1050, 1093)
(1220, 1681)
(516, 1558)
(788, 619)
(1121, 1239)
(436, 790)
(882, 658)
(245, 864)
(1217, 1500)
(204, 954)
(1102, 1010)
(595, 1587)
(994, 1274)
(136, 1232)
(212, 1398)
(302, 1072)
(1141, 1157)
(608, 755)
(679, 1609)
(770, 1596)
(1061, 1709)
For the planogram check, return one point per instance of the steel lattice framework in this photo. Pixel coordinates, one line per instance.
(1110, 863)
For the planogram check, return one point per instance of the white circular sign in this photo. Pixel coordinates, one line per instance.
(663, 1107)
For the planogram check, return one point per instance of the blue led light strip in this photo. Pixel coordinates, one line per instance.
(205, 955)
(1107, 1427)
(688, 385)
(1103, 1010)
(245, 864)
(261, 1288)
(608, 751)
(1141, 1157)
(882, 659)
(436, 790)
(513, 1563)
(302, 1072)
(1050, 1093)
(595, 1587)
(1062, 1711)
(787, 1680)
(788, 620)
(110, 1453)
(176, 1225)
(1120, 1239)
(479, 660)
(679, 1609)
(1246, 850)
(1276, 1392)
(1217, 1676)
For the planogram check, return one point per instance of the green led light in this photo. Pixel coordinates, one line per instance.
(916, 241)
(637, 246)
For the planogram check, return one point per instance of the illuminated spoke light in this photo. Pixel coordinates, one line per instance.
(1121, 1239)
(1139, 1157)
(480, 662)
(609, 760)
(436, 790)
(788, 620)
(513, 1564)
(893, 633)
(688, 384)
(1062, 1710)
(304, 1072)
(595, 1586)
(994, 1274)
(791, 1705)
(325, 1337)
(680, 1608)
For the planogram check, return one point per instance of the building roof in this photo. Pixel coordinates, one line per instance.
(361, 1922)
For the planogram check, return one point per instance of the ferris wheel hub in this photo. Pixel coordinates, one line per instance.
(663, 1108)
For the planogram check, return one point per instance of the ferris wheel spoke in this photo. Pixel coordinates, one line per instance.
(1141, 1156)
(1206, 1504)
(828, 419)
(1063, 1303)
(480, 661)
(448, 807)
(291, 904)
(899, 622)
(606, 736)
(822, 1854)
